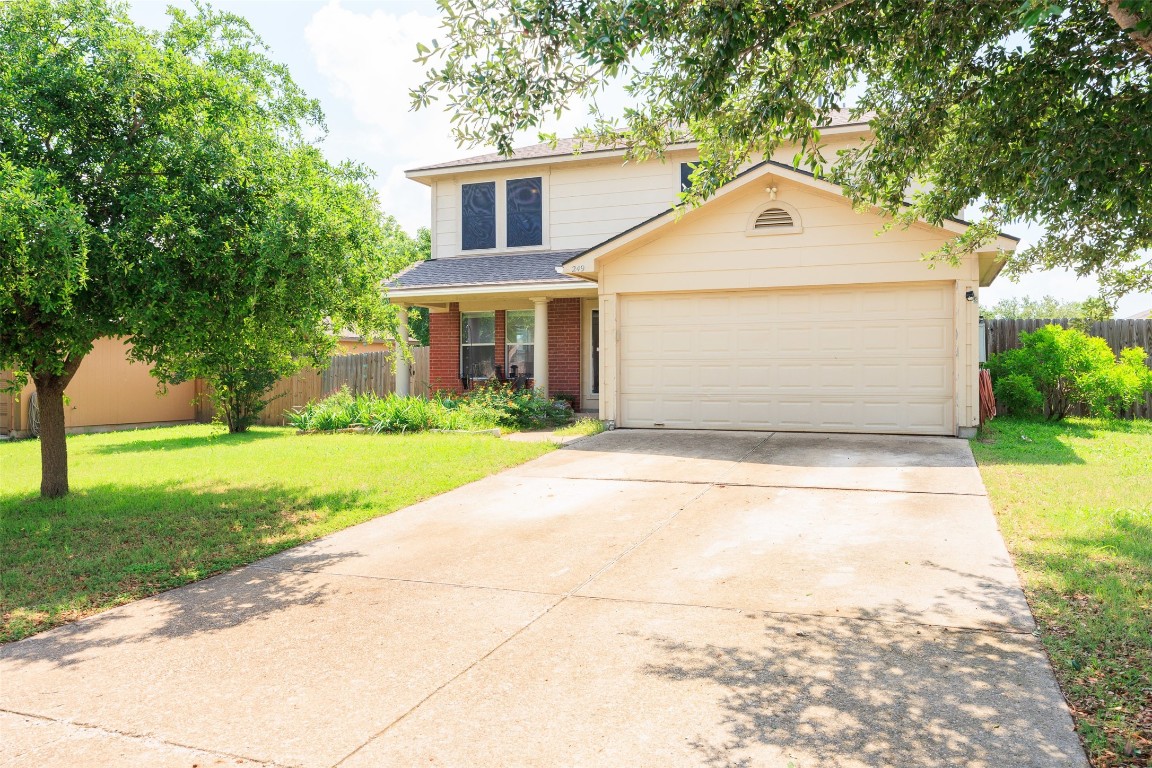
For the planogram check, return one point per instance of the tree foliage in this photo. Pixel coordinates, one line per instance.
(166, 187)
(1055, 369)
(1040, 111)
(1047, 308)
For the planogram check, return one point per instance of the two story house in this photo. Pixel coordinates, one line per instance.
(772, 306)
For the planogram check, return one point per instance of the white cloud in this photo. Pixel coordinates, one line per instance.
(367, 60)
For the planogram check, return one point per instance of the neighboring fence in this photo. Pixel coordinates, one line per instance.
(1000, 334)
(366, 372)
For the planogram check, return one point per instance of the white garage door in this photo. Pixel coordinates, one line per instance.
(851, 359)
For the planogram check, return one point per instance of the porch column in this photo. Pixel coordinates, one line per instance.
(540, 345)
(403, 369)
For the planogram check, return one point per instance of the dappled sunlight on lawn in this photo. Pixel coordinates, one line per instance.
(1080, 531)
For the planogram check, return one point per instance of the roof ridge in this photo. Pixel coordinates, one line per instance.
(567, 146)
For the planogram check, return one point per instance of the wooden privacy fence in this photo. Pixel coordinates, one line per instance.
(1002, 334)
(365, 372)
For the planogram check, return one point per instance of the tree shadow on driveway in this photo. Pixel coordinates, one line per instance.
(844, 694)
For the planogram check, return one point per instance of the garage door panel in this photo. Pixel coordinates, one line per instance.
(836, 338)
(869, 359)
(928, 378)
(927, 338)
(925, 416)
(794, 338)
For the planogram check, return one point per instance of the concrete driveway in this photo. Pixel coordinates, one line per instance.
(638, 599)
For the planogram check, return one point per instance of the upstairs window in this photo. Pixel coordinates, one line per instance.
(504, 214)
(686, 171)
(478, 206)
(525, 212)
(519, 340)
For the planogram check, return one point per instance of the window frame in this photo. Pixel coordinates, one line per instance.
(501, 179)
(464, 316)
(508, 210)
(495, 214)
(531, 345)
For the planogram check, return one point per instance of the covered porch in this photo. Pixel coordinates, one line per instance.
(509, 318)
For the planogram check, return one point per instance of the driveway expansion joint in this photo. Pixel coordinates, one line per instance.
(142, 737)
(727, 484)
(428, 582)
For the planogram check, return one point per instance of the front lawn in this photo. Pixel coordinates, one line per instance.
(154, 509)
(1074, 501)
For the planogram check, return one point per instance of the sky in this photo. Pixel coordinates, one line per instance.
(356, 58)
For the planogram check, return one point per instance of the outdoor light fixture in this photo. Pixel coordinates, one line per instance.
(970, 295)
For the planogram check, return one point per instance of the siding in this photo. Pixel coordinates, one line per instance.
(710, 250)
(587, 202)
(445, 223)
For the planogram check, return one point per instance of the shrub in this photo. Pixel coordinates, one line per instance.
(482, 408)
(512, 408)
(1056, 368)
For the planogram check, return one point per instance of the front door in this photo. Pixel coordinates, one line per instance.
(591, 323)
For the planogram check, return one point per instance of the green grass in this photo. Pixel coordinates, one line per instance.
(581, 427)
(154, 509)
(1074, 501)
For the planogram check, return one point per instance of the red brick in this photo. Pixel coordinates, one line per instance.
(444, 350)
(563, 348)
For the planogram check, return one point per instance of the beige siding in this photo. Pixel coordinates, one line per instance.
(591, 203)
(446, 221)
(587, 201)
(710, 249)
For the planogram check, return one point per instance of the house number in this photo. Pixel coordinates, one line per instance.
(578, 268)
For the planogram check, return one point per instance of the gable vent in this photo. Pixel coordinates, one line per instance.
(774, 218)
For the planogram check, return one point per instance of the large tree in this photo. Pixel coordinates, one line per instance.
(163, 187)
(1040, 111)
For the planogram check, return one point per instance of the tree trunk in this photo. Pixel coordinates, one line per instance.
(1128, 20)
(53, 442)
(53, 445)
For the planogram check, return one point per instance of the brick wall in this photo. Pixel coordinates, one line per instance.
(501, 347)
(564, 348)
(444, 355)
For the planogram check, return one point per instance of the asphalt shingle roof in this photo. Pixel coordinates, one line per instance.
(568, 146)
(494, 269)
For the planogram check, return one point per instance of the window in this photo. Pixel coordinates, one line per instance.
(508, 214)
(686, 171)
(519, 337)
(477, 345)
(478, 206)
(525, 211)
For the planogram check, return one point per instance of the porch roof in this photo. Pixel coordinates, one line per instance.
(490, 269)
